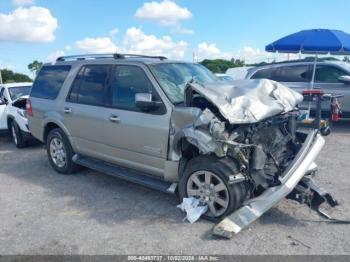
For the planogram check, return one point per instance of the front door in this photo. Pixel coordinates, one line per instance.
(327, 79)
(140, 139)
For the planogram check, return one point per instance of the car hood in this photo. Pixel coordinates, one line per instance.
(249, 101)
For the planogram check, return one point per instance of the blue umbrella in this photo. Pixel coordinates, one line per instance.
(314, 41)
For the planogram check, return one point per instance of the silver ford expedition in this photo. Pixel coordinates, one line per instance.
(174, 127)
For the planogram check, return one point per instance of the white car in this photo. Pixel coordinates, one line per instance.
(13, 119)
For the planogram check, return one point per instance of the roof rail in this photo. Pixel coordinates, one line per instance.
(104, 56)
(116, 56)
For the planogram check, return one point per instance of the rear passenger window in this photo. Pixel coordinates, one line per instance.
(91, 85)
(293, 74)
(49, 81)
(285, 74)
(264, 73)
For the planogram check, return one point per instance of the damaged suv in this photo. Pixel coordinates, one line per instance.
(174, 127)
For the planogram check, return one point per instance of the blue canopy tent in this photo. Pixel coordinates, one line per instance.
(314, 41)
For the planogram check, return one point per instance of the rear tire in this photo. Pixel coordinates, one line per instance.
(60, 152)
(206, 178)
(17, 137)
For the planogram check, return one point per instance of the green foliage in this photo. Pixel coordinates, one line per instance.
(9, 76)
(221, 65)
(35, 66)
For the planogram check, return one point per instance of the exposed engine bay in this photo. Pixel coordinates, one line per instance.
(264, 144)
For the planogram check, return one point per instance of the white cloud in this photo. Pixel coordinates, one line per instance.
(248, 54)
(136, 41)
(210, 51)
(54, 55)
(97, 45)
(34, 24)
(181, 30)
(166, 13)
(113, 32)
(23, 2)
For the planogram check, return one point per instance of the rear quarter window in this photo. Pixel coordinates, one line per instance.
(267, 73)
(49, 81)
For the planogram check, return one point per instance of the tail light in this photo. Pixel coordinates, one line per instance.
(29, 108)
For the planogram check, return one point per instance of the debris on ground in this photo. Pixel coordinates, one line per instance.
(296, 242)
(194, 209)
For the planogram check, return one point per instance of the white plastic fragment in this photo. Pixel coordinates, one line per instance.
(193, 208)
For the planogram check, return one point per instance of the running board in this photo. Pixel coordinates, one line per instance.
(127, 174)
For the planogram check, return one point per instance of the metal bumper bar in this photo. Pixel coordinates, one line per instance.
(255, 207)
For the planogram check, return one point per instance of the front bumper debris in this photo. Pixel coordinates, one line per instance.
(255, 207)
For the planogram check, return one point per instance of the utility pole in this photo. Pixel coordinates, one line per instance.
(1, 78)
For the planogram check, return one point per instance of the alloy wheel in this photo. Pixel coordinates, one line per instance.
(211, 190)
(58, 152)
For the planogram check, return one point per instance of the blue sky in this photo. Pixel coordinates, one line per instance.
(43, 29)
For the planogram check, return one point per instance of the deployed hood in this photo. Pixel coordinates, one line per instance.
(249, 101)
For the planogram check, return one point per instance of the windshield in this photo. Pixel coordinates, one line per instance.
(18, 91)
(173, 78)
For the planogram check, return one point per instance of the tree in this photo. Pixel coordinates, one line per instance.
(9, 76)
(221, 65)
(35, 66)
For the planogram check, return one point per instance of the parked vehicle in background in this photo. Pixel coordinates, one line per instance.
(168, 124)
(330, 76)
(224, 77)
(13, 119)
(238, 73)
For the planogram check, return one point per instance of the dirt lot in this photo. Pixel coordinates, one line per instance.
(42, 212)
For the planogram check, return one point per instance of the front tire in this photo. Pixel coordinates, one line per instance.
(206, 178)
(17, 137)
(60, 152)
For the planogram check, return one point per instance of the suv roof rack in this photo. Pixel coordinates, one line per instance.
(104, 56)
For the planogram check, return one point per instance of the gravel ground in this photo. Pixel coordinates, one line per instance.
(42, 212)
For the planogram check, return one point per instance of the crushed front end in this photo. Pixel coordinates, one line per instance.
(257, 129)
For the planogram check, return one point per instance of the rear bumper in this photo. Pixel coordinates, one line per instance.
(255, 207)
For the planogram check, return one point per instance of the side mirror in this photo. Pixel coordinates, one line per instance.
(344, 79)
(144, 102)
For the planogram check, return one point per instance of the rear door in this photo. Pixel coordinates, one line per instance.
(84, 111)
(296, 77)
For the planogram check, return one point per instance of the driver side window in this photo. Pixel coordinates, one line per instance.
(128, 81)
(328, 74)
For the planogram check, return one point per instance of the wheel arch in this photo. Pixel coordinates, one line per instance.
(52, 124)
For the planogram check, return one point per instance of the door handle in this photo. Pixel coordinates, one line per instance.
(114, 119)
(67, 110)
